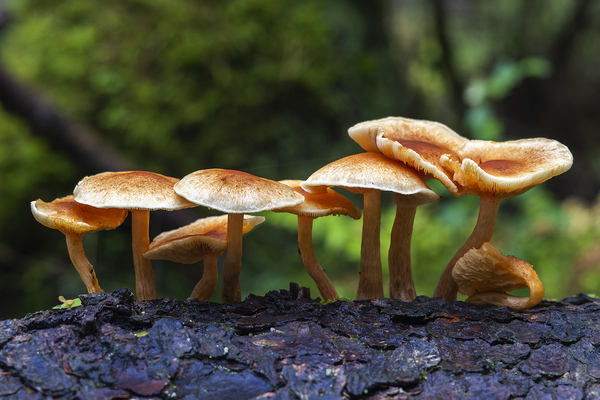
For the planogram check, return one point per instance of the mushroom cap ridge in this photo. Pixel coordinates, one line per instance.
(131, 190)
(238, 192)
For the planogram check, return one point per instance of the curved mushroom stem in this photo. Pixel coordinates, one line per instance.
(81, 263)
(207, 285)
(483, 232)
(401, 286)
(370, 285)
(231, 291)
(145, 286)
(310, 261)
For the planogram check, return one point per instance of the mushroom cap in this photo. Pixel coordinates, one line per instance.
(237, 192)
(488, 270)
(417, 143)
(69, 216)
(190, 243)
(507, 169)
(320, 204)
(363, 171)
(131, 190)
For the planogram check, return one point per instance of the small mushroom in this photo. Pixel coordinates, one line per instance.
(139, 192)
(317, 205)
(485, 275)
(493, 171)
(74, 220)
(370, 173)
(205, 238)
(235, 193)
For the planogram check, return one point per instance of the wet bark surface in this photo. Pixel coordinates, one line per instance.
(283, 346)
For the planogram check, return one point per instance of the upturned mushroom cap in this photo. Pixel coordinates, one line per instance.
(67, 215)
(320, 204)
(132, 190)
(416, 143)
(190, 243)
(231, 191)
(486, 275)
(507, 169)
(371, 171)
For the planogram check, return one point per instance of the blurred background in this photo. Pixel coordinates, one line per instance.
(270, 88)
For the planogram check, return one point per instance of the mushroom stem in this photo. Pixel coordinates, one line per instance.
(231, 291)
(207, 285)
(401, 286)
(483, 232)
(370, 285)
(81, 263)
(144, 276)
(310, 261)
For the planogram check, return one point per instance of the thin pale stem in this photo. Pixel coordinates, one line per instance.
(483, 232)
(145, 286)
(370, 285)
(81, 263)
(207, 285)
(402, 286)
(310, 261)
(231, 291)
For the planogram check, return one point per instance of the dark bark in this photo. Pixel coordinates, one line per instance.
(278, 346)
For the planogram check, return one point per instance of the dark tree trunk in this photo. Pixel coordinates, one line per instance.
(279, 346)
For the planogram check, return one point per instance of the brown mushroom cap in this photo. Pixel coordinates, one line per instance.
(67, 215)
(486, 274)
(416, 143)
(320, 204)
(131, 190)
(371, 171)
(231, 191)
(190, 243)
(507, 169)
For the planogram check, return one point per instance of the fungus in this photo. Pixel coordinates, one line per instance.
(369, 174)
(496, 170)
(485, 275)
(317, 205)
(74, 220)
(205, 239)
(416, 143)
(139, 192)
(235, 193)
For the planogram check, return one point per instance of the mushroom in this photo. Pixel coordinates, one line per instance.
(317, 205)
(485, 274)
(139, 192)
(205, 238)
(416, 143)
(369, 174)
(74, 220)
(496, 170)
(235, 193)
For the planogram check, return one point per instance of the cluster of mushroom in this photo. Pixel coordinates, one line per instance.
(400, 154)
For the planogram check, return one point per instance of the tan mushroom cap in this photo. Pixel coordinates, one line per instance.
(190, 243)
(320, 204)
(486, 275)
(417, 143)
(231, 191)
(67, 215)
(371, 171)
(132, 190)
(506, 169)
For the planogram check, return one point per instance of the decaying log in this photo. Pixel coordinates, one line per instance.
(286, 346)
